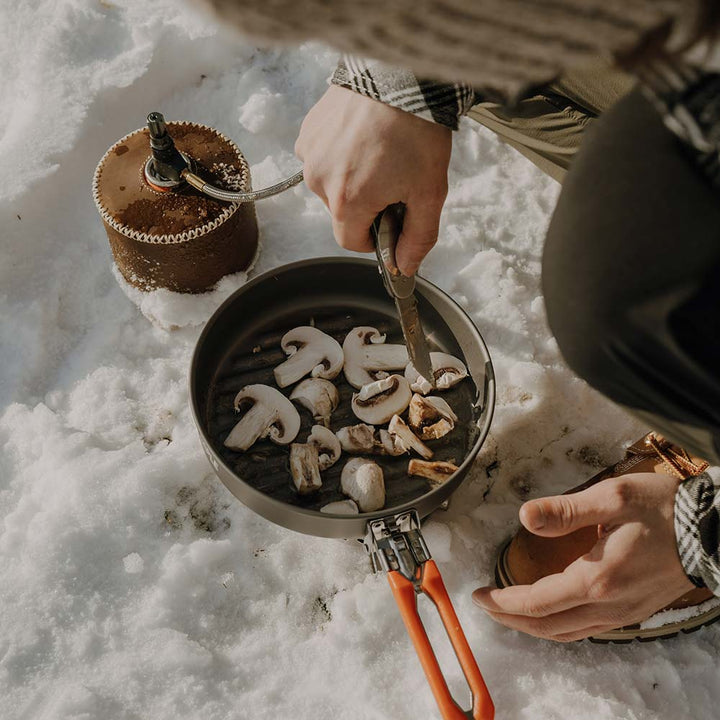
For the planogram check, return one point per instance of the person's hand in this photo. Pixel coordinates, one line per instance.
(360, 156)
(632, 571)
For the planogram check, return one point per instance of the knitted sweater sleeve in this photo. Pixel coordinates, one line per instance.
(498, 46)
(442, 103)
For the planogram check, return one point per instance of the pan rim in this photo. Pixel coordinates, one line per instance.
(441, 492)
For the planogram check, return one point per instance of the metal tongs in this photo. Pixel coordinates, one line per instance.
(386, 230)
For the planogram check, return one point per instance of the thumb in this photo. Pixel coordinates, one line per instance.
(601, 504)
(419, 233)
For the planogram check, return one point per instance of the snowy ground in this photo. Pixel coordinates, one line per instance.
(132, 584)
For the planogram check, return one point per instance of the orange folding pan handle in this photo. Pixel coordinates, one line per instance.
(406, 598)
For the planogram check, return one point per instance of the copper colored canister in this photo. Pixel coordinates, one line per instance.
(178, 239)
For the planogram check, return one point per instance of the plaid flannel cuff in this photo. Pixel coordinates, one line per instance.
(697, 528)
(437, 102)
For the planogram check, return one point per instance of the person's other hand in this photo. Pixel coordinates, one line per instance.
(632, 571)
(360, 156)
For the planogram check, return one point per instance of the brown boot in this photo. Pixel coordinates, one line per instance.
(527, 557)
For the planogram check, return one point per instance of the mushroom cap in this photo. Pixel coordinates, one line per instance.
(327, 444)
(363, 481)
(367, 357)
(378, 401)
(270, 414)
(319, 396)
(310, 351)
(448, 371)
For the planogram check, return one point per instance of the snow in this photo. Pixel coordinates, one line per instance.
(132, 584)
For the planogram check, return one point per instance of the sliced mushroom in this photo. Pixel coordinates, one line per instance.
(391, 443)
(367, 357)
(327, 444)
(448, 371)
(310, 351)
(304, 468)
(268, 413)
(430, 417)
(378, 401)
(407, 439)
(341, 507)
(363, 481)
(358, 439)
(319, 396)
(437, 472)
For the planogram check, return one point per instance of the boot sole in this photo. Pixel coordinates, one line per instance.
(631, 633)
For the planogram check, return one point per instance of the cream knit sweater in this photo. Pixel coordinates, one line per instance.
(501, 45)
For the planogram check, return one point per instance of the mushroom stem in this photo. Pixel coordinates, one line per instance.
(251, 428)
(367, 357)
(437, 472)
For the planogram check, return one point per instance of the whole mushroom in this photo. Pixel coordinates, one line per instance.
(310, 351)
(378, 401)
(268, 413)
(448, 371)
(367, 357)
(363, 481)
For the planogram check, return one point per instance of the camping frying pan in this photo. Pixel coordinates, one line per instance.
(240, 345)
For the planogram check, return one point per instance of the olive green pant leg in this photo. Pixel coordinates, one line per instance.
(548, 127)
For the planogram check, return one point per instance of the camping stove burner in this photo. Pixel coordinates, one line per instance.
(165, 169)
(157, 181)
(169, 169)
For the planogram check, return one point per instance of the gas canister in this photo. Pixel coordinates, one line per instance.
(178, 207)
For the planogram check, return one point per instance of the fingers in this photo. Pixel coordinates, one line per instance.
(560, 607)
(569, 626)
(603, 504)
(551, 594)
(354, 234)
(420, 231)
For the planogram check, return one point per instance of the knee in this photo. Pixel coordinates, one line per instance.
(588, 323)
